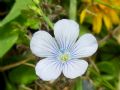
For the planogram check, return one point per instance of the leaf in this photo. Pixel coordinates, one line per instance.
(78, 84)
(99, 80)
(9, 86)
(84, 29)
(105, 66)
(33, 23)
(97, 23)
(107, 22)
(25, 75)
(8, 38)
(16, 10)
(107, 69)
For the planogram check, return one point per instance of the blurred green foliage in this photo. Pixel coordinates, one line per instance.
(24, 17)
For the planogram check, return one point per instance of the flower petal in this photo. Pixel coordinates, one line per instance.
(48, 69)
(74, 68)
(85, 46)
(66, 32)
(43, 44)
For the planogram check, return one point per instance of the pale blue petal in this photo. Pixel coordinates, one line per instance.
(43, 44)
(85, 46)
(66, 32)
(74, 68)
(48, 69)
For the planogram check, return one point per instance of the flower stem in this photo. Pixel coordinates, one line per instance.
(47, 20)
(7, 67)
(73, 9)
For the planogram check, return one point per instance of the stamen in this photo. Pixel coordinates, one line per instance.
(64, 57)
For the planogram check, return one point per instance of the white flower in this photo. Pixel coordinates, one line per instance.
(62, 53)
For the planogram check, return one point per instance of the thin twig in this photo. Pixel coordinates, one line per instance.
(29, 64)
(7, 67)
(37, 83)
(110, 34)
(94, 65)
(25, 87)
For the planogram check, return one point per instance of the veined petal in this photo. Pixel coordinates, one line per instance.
(48, 69)
(43, 44)
(66, 32)
(74, 68)
(85, 46)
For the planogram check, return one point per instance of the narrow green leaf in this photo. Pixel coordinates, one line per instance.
(25, 75)
(78, 84)
(105, 66)
(15, 11)
(7, 39)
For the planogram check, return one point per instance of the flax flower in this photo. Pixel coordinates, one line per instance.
(64, 53)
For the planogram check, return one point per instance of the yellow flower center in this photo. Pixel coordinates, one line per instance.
(64, 57)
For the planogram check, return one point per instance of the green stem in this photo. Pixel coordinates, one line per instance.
(25, 87)
(73, 9)
(118, 85)
(47, 20)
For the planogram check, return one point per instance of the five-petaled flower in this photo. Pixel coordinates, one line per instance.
(61, 54)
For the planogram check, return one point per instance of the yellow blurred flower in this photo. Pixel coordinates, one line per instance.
(100, 13)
